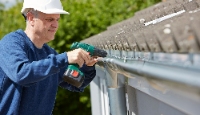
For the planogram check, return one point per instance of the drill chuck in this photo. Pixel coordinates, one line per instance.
(99, 53)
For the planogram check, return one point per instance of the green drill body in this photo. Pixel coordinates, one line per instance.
(72, 74)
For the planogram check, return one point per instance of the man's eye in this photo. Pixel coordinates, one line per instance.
(49, 20)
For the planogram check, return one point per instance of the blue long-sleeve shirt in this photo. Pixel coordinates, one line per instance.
(29, 77)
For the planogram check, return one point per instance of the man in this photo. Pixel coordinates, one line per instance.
(31, 71)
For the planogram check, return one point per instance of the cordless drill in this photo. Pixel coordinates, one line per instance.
(72, 74)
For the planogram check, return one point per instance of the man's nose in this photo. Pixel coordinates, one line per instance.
(55, 24)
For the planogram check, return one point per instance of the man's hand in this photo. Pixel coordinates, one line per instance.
(80, 56)
(92, 61)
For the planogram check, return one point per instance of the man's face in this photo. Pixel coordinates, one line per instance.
(45, 26)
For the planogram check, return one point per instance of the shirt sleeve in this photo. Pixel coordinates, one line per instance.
(15, 63)
(89, 72)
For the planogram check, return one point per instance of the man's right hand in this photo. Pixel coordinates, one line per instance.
(78, 56)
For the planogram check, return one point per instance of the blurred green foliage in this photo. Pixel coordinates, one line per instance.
(1, 7)
(87, 18)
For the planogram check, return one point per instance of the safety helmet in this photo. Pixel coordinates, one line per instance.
(45, 6)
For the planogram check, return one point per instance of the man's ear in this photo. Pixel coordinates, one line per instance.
(30, 18)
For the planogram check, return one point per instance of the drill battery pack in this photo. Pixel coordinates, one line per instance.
(74, 77)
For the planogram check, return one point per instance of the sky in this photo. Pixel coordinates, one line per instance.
(8, 3)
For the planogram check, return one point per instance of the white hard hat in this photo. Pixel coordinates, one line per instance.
(45, 6)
